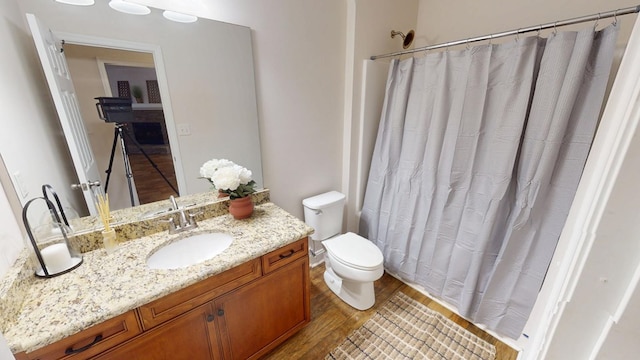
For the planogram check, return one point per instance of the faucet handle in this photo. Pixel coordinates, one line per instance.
(192, 218)
(174, 203)
(172, 224)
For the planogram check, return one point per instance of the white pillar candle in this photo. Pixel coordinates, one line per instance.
(56, 258)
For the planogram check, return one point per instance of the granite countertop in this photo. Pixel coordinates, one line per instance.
(107, 285)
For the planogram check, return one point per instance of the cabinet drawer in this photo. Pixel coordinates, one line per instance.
(284, 255)
(170, 306)
(93, 340)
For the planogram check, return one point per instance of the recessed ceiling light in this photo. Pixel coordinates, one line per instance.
(129, 8)
(179, 17)
(77, 2)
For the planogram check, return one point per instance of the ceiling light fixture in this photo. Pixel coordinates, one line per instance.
(179, 17)
(129, 8)
(77, 2)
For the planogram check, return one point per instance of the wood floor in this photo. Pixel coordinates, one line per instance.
(332, 320)
(149, 184)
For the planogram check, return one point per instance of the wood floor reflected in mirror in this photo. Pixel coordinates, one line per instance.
(149, 184)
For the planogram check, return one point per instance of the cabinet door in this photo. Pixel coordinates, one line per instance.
(259, 316)
(187, 337)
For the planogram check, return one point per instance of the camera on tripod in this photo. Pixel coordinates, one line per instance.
(115, 109)
(118, 110)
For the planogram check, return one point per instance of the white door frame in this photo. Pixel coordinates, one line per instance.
(163, 85)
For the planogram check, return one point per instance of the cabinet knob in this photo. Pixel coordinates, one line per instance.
(220, 312)
(210, 317)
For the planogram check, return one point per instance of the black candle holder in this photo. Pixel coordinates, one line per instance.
(57, 257)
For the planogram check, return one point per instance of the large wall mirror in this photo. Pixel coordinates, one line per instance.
(205, 77)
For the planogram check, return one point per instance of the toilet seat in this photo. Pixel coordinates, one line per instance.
(354, 251)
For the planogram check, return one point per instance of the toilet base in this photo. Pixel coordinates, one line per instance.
(359, 295)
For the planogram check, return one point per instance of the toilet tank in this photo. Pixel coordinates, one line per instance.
(324, 214)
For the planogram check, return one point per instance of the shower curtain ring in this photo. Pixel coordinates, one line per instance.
(539, 29)
(518, 35)
(597, 20)
(555, 29)
(615, 17)
(467, 44)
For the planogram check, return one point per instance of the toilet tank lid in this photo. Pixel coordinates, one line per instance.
(323, 200)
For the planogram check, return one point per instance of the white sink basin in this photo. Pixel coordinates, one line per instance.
(189, 251)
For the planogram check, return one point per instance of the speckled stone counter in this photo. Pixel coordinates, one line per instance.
(107, 285)
(147, 219)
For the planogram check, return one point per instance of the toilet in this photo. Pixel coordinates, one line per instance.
(352, 262)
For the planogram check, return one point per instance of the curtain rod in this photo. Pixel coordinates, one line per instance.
(598, 16)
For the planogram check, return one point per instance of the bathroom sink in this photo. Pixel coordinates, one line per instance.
(189, 251)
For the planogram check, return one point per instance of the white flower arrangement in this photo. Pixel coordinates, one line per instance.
(228, 177)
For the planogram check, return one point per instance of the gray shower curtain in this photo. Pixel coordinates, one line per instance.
(478, 156)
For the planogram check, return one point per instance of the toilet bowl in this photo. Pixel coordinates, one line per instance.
(352, 262)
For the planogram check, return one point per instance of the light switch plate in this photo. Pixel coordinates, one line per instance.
(184, 130)
(20, 185)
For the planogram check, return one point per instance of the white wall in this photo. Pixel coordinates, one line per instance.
(10, 237)
(441, 21)
(309, 61)
(11, 233)
(299, 51)
(622, 341)
(370, 28)
(27, 113)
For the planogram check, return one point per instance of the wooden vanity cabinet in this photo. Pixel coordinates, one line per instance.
(172, 305)
(242, 313)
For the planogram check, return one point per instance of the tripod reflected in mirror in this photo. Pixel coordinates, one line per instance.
(119, 111)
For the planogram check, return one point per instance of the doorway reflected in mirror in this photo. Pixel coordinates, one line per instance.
(100, 71)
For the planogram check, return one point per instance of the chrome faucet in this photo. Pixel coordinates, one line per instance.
(186, 220)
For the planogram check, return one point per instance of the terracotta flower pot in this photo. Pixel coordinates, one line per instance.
(241, 208)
